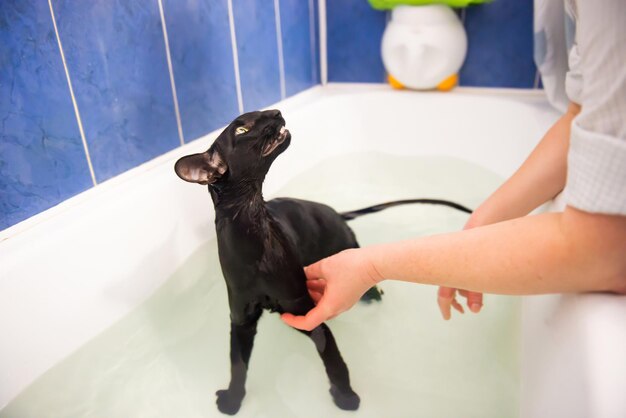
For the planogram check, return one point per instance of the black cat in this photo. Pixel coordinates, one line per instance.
(263, 246)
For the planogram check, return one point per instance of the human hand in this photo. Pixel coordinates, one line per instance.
(335, 284)
(446, 296)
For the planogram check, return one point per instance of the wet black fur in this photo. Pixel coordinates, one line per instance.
(264, 245)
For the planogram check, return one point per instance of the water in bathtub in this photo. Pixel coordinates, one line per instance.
(169, 356)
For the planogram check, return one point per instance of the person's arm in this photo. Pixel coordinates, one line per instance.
(540, 178)
(573, 251)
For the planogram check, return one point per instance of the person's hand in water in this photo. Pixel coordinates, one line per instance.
(446, 296)
(335, 285)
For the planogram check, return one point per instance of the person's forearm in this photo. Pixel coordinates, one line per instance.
(554, 252)
(540, 178)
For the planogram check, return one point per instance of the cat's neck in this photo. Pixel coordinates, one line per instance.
(240, 201)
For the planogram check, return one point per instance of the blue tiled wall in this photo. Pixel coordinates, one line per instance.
(260, 75)
(500, 43)
(201, 66)
(300, 44)
(116, 57)
(354, 33)
(42, 161)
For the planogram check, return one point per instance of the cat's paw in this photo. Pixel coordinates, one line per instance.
(345, 399)
(229, 401)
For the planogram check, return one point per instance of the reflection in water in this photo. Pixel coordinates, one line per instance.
(168, 357)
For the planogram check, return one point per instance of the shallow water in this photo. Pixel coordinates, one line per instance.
(169, 355)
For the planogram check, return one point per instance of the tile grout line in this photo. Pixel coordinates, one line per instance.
(233, 41)
(313, 43)
(323, 51)
(171, 71)
(74, 103)
(279, 42)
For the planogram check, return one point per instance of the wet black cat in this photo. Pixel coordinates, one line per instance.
(264, 245)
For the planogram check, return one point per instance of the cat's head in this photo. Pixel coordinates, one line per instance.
(244, 151)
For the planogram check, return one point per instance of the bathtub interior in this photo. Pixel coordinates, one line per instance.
(99, 256)
(169, 354)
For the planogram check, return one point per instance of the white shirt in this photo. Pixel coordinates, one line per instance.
(596, 177)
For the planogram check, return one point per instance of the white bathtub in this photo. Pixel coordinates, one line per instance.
(72, 271)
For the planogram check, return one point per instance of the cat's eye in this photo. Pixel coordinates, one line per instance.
(241, 130)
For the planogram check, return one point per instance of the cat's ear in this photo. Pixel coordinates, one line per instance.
(203, 168)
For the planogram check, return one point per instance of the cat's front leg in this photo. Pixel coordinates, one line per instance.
(241, 342)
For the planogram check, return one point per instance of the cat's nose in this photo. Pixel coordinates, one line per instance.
(275, 113)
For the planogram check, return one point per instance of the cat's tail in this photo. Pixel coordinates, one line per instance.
(377, 208)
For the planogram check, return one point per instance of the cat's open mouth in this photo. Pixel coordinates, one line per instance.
(271, 145)
(283, 133)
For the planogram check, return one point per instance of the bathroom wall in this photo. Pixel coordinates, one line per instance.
(90, 89)
(500, 43)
